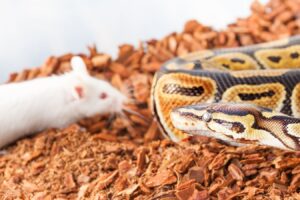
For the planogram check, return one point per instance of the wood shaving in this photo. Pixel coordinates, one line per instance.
(126, 158)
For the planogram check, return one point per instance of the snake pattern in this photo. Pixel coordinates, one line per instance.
(255, 87)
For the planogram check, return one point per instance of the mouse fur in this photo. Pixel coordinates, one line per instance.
(54, 102)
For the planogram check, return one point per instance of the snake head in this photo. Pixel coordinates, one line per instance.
(192, 118)
(229, 122)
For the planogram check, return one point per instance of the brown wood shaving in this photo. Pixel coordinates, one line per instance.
(236, 172)
(126, 158)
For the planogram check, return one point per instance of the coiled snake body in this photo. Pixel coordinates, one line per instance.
(240, 95)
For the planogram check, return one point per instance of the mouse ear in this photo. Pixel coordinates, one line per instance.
(77, 92)
(78, 65)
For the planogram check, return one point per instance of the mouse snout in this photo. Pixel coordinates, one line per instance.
(118, 101)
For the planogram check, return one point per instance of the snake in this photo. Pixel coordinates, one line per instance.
(240, 95)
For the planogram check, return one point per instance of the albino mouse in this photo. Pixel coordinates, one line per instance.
(54, 102)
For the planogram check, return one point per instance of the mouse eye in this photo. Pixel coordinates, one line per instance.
(103, 95)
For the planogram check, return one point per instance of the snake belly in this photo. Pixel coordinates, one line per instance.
(267, 75)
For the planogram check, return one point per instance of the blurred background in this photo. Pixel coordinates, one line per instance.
(32, 30)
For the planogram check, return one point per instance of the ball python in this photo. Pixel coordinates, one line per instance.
(243, 95)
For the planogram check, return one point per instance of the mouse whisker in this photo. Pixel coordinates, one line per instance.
(128, 110)
(127, 90)
(111, 117)
(131, 90)
(127, 87)
(131, 101)
(121, 115)
(127, 122)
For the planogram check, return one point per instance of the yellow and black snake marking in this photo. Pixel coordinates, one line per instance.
(181, 88)
(296, 100)
(265, 75)
(269, 95)
(232, 61)
(276, 58)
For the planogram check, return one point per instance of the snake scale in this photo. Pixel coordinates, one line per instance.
(240, 95)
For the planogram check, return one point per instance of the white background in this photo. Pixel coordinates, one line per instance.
(32, 30)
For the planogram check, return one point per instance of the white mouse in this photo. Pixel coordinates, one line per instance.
(54, 102)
